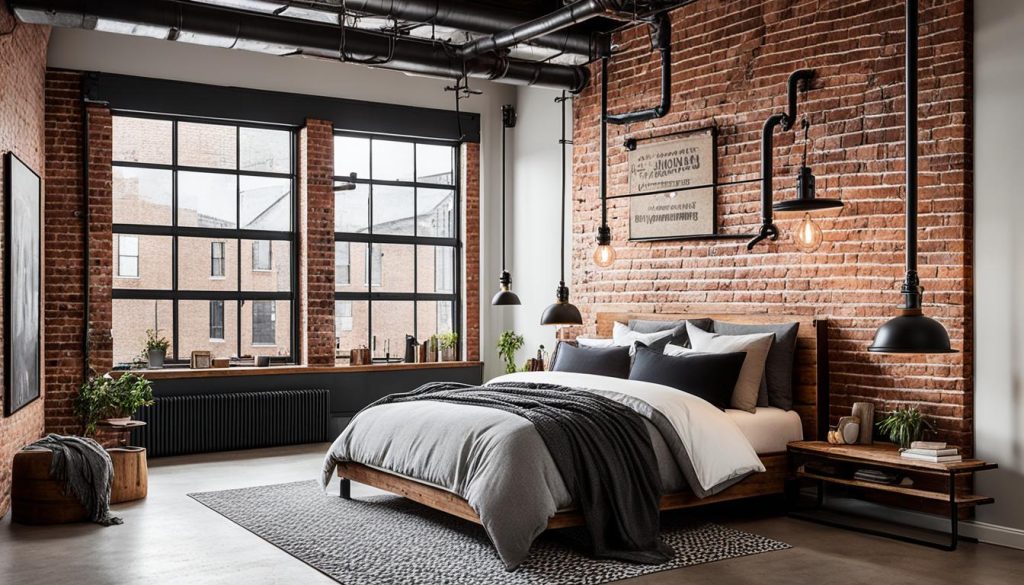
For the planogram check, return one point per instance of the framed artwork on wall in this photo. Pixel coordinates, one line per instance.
(22, 283)
(680, 175)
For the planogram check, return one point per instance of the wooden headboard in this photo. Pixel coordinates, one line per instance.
(810, 373)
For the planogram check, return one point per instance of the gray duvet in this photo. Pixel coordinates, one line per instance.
(499, 464)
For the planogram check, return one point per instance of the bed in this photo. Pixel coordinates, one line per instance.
(752, 465)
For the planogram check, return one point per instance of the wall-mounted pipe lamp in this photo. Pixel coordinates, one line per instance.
(349, 185)
(505, 296)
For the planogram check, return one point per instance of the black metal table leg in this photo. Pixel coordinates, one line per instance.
(345, 489)
(954, 514)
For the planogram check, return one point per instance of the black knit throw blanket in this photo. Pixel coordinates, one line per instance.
(601, 448)
(85, 471)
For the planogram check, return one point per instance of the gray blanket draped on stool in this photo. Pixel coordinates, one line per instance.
(602, 450)
(85, 471)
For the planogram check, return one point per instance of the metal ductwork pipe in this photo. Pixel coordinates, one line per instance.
(662, 26)
(379, 49)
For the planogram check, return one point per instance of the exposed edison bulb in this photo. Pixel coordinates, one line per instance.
(808, 235)
(604, 255)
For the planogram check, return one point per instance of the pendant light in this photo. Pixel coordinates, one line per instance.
(505, 296)
(562, 312)
(911, 331)
(808, 235)
(604, 255)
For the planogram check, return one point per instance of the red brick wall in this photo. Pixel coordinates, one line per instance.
(22, 69)
(470, 165)
(730, 64)
(316, 243)
(63, 240)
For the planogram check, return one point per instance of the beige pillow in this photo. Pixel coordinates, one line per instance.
(756, 346)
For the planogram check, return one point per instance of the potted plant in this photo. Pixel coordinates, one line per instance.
(448, 342)
(903, 426)
(105, 399)
(508, 344)
(156, 348)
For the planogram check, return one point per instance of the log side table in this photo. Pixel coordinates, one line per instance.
(131, 472)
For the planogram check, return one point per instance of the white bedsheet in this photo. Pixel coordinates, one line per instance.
(769, 429)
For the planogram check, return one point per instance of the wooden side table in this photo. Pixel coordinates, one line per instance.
(131, 471)
(848, 458)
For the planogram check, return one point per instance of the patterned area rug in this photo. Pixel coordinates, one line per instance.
(387, 539)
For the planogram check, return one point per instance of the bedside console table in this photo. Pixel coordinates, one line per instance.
(845, 459)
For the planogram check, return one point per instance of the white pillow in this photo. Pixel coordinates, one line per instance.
(622, 335)
(677, 350)
(594, 342)
(756, 346)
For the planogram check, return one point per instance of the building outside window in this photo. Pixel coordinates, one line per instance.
(188, 189)
(402, 219)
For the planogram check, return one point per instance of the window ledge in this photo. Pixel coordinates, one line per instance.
(171, 373)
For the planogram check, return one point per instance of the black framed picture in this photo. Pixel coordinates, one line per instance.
(22, 283)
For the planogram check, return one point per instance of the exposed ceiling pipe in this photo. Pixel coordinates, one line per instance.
(382, 50)
(662, 28)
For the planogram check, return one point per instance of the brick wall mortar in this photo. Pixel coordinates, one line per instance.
(730, 64)
(316, 243)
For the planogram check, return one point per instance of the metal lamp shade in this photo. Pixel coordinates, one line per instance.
(805, 201)
(505, 297)
(911, 333)
(561, 313)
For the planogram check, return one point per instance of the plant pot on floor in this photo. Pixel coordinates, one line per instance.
(156, 358)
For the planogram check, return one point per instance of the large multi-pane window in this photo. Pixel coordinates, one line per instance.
(397, 242)
(204, 221)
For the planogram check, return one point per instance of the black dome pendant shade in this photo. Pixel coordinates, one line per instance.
(505, 296)
(805, 201)
(562, 312)
(911, 331)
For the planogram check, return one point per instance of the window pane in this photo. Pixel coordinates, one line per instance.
(433, 318)
(266, 328)
(207, 200)
(352, 210)
(350, 326)
(266, 265)
(393, 210)
(435, 269)
(352, 155)
(196, 264)
(392, 321)
(207, 145)
(265, 150)
(195, 326)
(435, 213)
(396, 268)
(342, 264)
(357, 267)
(142, 196)
(142, 140)
(435, 164)
(392, 161)
(266, 203)
(142, 262)
(217, 257)
(131, 319)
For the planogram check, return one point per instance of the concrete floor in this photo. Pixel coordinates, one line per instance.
(169, 538)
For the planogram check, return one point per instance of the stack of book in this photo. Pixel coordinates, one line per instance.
(935, 452)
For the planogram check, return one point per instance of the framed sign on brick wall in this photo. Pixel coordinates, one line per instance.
(679, 174)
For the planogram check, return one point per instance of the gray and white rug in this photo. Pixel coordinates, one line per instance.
(387, 539)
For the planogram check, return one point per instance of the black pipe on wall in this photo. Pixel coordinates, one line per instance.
(383, 50)
(662, 26)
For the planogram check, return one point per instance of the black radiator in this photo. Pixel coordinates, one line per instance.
(178, 425)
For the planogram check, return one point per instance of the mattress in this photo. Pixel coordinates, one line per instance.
(769, 429)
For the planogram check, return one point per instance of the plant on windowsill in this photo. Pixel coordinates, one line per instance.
(508, 344)
(104, 399)
(903, 426)
(156, 348)
(448, 342)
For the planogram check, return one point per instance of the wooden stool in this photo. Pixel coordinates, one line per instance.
(131, 474)
(37, 499)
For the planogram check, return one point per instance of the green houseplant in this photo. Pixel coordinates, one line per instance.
(156, 348)
(508, 344)
(903, 426)
(104, 398)
(448, 342)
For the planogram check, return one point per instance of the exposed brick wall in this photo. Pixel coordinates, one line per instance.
(22, 69)
(316, 243)
(470, 165)
(730, 64)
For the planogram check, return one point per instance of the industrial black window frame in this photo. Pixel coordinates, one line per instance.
(175, 294)
(456, 243)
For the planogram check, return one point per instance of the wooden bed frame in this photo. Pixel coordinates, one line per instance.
(810, 398)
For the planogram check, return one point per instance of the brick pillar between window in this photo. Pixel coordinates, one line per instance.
(470, 164)
(316, 244)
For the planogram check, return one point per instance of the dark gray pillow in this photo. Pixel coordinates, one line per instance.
(711, 376)
(679, 336)
(778, 368)
(600, 361)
